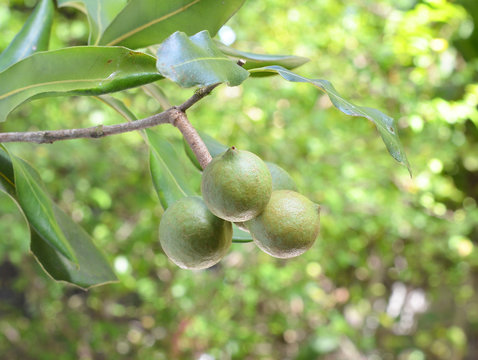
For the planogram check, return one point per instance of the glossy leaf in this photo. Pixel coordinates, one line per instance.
(100, 13)
(196, 60)
(254, 61)
(168, 175)
(147, 22)
(37, 206)
(385, 124)
(34, 35)
(78, 70)
(91, 268)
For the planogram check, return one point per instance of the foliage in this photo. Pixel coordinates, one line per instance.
(384, 236)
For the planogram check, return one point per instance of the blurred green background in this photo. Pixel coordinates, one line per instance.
(394, 272)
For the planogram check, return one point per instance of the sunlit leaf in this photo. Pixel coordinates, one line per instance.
(385, 124)
(34, 35)
(146, 22)
(100, 14)
(254, 61)
(78, 70)
(196, 60)
(168, 175)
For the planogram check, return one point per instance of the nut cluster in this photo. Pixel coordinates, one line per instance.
(259, 197)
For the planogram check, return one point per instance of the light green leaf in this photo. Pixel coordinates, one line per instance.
(34, 35)
(254, 61)
(82, 70)
(91, 268)
(37, 206)
(147, 22)
(196, 60)
(100, 13)
(385, 124)
(239, 235)
(168, 175)
(118, 106)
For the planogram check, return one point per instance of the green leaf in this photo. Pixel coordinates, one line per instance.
(34, 35)
(196, 60)
(214, 147)
(37, 206)
(100, 14)
(82, 70)
(385, 124)
(93, 269)
(168, 175)
(254, 61)
(147, 22)
(118, 106)
(240, 236)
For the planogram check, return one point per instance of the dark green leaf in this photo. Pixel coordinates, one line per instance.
(196, 60)
(37, 206)
(258, 60)
(100, 13)
(166, 170)
(93, 268)
(78, 70)
(385, 124)
(146, 22)
(34, 35)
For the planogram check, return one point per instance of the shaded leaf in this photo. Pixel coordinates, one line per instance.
(240, 236)
(34, 35)
(147, 22)
(37, 206)
(168, 175)
(254, 61)
(385, 124)
(93, 269)
(78, 70)
(100, 13)
(196, 60)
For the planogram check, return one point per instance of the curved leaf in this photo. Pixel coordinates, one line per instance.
(254, 61)
(168, 176)
(196, 60)
(146, 22)
(91, 268)
(239, 235)
(385, 124)
(34, 35)
(100, 13)
(37, 206)
(82, 70)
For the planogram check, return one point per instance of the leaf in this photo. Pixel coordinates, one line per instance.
(385, 124)
(240, 236)
(168, 175)
(147, 22)
(82, 70)
(100, 14)
(254, 61)
(34, 35)
(37, 206)
(91, 269)
(118, 106)
(196, 61)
